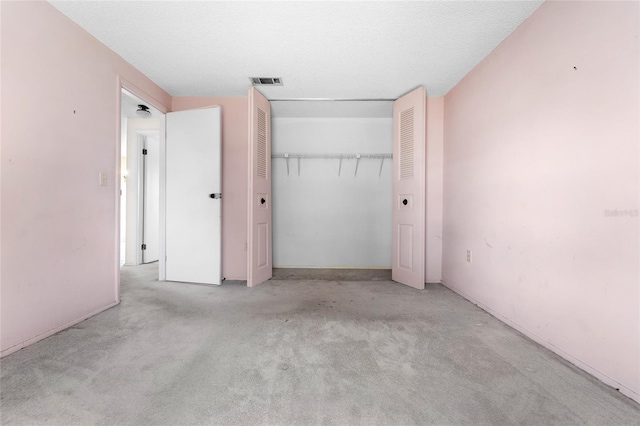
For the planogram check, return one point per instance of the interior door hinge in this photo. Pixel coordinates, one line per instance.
(144, 247)
(144, 151)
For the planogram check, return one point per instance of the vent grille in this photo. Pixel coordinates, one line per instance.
(266, 81)
(262, 145)
(406, 144)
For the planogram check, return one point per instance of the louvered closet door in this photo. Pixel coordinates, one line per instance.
(259, 254)
(409, 188)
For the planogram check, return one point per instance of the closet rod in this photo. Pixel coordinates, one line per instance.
(330, 156)
(334, 99)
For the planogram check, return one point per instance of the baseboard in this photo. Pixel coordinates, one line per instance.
(53, 331)
(334, 267)
(232, 278)
(604, 378)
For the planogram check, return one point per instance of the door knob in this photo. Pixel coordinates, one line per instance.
(405, 202)
(262, 201)
(215, 195)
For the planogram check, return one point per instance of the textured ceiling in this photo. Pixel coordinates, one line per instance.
(374, 49)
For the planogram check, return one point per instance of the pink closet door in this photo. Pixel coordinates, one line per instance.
(259, 255)
(409, 188)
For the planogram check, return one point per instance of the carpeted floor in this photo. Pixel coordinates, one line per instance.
(332, 274)
(297, 352)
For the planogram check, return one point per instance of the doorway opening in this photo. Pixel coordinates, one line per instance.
(407, 128)
(142, 129)
(332, 193)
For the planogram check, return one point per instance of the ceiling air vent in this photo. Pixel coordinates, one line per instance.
(266, 81)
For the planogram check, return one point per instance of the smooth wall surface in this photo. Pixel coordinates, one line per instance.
(321, 219)
(235, 144)
(433, 216)
(59, 229)
(541, 182)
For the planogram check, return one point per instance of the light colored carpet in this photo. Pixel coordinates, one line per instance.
(332, 274)
(297, 352)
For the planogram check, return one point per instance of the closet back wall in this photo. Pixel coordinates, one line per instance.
(321, 219)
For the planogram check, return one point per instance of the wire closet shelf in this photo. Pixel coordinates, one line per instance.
(339, 157)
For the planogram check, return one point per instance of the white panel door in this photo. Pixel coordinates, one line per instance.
(409, 189)
(151, 200)
(193, 201)
(259, 239)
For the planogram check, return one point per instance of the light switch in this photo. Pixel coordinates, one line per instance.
(103, 179)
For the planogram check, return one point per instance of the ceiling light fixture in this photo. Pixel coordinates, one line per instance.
(143, 111)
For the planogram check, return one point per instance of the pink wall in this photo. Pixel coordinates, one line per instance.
(536, 152)
(235, 143)
(59, 130)
(434, 152)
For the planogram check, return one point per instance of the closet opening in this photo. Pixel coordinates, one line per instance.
(331, 169)
(324, 219)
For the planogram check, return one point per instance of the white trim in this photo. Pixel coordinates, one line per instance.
(123, 84)
(376, 268)
(118, 186)
(542, 341)
(333, 100)
(162, 238)
(53, 331)
(130, 87)
(141, 140)
(140, 145)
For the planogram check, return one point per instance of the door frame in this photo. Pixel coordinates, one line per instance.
(123, 84)
(141, 142)
(409, 211)
(135, 212)
(254, 275)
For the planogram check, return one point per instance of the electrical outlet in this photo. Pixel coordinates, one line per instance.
(469, 256)
(102, 178)
(246, 246)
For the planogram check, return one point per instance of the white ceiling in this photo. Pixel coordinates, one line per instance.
(377, 49)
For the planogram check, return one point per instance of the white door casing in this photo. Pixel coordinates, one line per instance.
(137, 130)
(151, 200)
(193, 178)
(259, 237)
(409, 121)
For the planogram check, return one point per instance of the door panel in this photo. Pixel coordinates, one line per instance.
(193, 217)
(405, 245)
(263, 248)
(151, 200)
(409, 188)
(259, 255)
